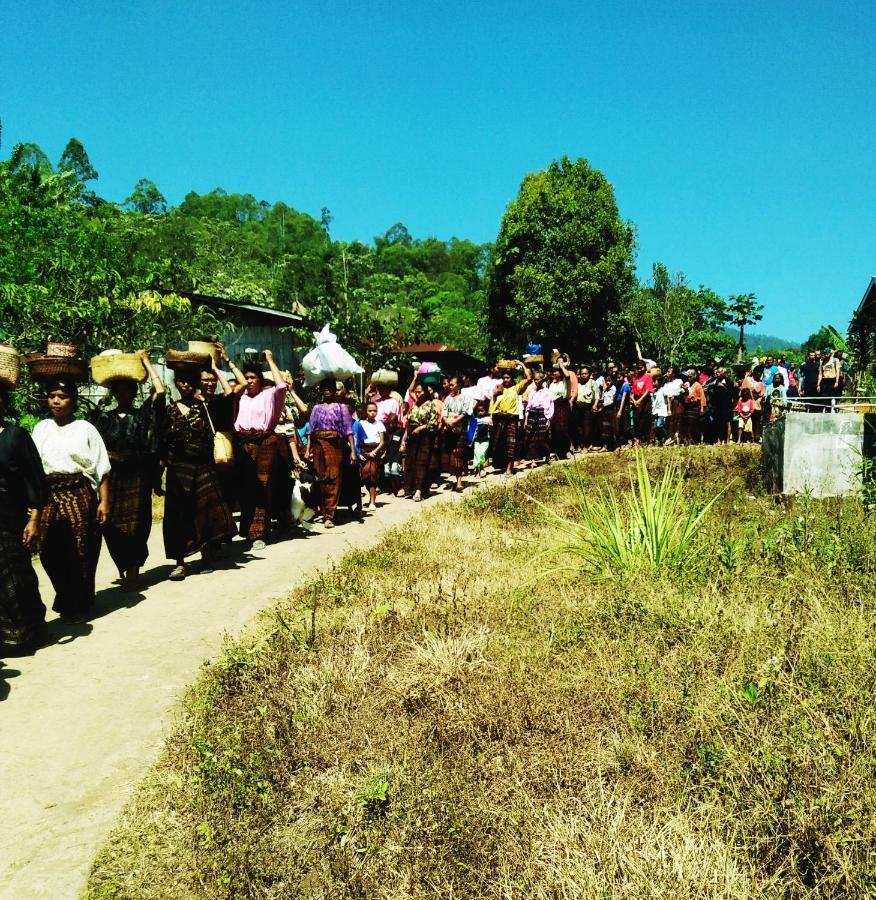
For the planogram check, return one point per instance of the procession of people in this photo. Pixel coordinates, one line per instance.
(227, 445)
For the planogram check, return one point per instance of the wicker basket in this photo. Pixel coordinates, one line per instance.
(117, 367)
(56, 348)
(507, 365)
(207, 348)
(48, 368)
(185, 359)
(385, 377)
(10, 366)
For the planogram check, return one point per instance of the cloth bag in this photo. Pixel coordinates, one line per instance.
(328, 360)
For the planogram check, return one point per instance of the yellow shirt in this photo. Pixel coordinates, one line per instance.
(508, 402)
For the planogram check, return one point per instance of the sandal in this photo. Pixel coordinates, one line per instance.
(178, 574)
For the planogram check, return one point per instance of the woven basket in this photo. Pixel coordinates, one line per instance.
(117, 367)
(183, 359)
(10, 366)
(506, 365)
(56, 348)
(207, 348)
(47, 368)
(385, 377)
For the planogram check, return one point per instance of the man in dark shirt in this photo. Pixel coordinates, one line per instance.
(809, 372)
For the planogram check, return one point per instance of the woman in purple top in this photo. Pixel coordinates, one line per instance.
(331, 432)
(263, 457)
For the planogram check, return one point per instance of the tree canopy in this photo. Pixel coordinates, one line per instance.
(74, 265)
(563, 261)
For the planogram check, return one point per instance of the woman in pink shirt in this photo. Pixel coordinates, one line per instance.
(263, 455)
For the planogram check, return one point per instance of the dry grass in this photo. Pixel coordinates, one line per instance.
(432, 719)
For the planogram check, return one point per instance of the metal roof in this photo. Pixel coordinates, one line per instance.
(264, 311)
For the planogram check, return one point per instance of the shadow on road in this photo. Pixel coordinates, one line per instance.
(5, 674)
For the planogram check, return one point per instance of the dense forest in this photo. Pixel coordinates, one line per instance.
(74, 265)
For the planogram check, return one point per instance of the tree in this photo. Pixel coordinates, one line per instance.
(562, 262)
(146, 198)
(742, 310)
(674, 323)
(75, 160)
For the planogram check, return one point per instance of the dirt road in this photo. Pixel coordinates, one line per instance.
(83, 718)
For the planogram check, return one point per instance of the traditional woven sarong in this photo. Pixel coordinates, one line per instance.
(327, 448)
(370, 468)
(607, 419)
(418, 461)
(582, 425)
(130, 518)
(454, 449)
(643, 420)
(194, 511)
(503, 439)
(560, 439)
(258, 464)
(21, 610)
(690, 423)
(70, 542)
(537, 432)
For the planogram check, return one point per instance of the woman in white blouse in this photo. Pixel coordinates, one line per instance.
(76, 464)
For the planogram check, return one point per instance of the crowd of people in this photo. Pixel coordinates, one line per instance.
(242, 439)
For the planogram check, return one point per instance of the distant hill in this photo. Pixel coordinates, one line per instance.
(767, 341)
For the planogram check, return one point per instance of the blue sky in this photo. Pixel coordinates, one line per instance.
(740, 137)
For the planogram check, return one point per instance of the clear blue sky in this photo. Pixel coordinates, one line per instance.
(740, 137)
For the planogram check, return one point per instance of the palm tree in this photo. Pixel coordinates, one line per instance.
(743, 309)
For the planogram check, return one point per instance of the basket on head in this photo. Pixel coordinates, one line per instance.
(385, 377)
(113, 365)
(532, 359)
(507, 365)
(57, 348)
(207, 347)
(49, 368)
(185, 359)
(10, 366)
(430, 378)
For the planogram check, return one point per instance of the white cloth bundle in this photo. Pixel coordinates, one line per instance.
(328, 360)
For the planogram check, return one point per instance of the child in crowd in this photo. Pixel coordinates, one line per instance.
(368, 435)
(745, 408)
(481, 439)
(392, 469)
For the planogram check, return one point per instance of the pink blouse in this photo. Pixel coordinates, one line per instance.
(262, 412)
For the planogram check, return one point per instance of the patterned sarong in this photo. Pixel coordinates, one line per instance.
(418, 461)
(503, 439)
(258, 464)
(537, 430)
(454, 449)
(70, 542)
(194, 511)
(561, 441)
(21, 610)
(130, 519)
(327, 448)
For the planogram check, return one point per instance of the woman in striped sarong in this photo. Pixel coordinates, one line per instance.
(454, 421)
(196, 516)
(131, 439)
(263, 457)
(537, 420)
(77, 469)
(418, 443)
(329, 437)
(505, 409)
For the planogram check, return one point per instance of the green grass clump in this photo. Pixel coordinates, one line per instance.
(436, 718)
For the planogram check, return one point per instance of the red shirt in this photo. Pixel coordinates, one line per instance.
(643, 384)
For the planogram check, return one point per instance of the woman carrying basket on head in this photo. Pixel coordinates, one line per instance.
(264, 455)
(130, 435)
(77, 468)
(196, 517)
